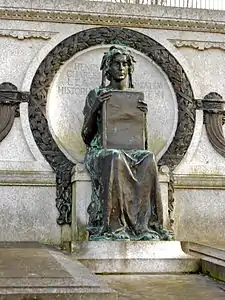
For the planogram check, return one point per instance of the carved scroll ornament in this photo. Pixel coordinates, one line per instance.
(10, 98)
(214, 117)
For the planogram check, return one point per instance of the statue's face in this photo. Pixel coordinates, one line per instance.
(119, 67)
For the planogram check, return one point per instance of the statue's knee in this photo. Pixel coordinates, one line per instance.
(117, 155)
(113, 152)
(149, 156)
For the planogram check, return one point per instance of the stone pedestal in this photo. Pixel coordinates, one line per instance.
(199, 208)
(134, 257)
(82, 196)
(27, 207)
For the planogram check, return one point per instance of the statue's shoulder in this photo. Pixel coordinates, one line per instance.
(94, 93)
(91, 100)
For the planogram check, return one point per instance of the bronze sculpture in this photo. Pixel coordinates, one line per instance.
(126, 200)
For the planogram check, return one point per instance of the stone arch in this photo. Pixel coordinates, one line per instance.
(64, 51)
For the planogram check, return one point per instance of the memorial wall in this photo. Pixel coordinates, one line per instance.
(184, 49)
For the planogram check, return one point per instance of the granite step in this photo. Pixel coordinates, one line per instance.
(34, 271)
(166, 287)
(212, 257)
(142, 257)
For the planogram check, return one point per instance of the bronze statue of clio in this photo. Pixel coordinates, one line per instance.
(126, 201)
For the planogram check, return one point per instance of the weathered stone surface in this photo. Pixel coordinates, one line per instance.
(201, 158)
(28, 212)
(198, 65)
(212, 257)
(199, 182)
(164, 287)
(134, 257)
(33, 271)
(16, 152)
(199, 209)
(214, 269)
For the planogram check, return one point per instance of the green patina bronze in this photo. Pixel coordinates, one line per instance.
(126, 201)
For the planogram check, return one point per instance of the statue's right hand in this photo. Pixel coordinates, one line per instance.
(104, 96)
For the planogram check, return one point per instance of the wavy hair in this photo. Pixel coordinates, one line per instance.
(108, 59)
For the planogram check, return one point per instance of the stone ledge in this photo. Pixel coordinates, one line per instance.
(213, 269)
(212, 258)
(134, 257)
(26, 178)
(79, 173)
(34, 271)
(199, 181)
(212, 251)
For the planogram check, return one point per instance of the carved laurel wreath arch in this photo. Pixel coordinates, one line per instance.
(64, 51)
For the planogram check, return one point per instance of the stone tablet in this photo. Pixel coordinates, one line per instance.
(123, 123)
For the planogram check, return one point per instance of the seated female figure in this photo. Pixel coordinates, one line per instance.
(126, 200)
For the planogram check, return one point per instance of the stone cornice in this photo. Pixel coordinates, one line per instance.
(199, 181)
(27, 178)
(111, 20)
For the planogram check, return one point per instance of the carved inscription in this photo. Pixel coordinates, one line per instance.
(78, 79)
(73, 90)
(81, 74)
(153, 89)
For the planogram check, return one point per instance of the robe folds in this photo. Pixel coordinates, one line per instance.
(126, 197)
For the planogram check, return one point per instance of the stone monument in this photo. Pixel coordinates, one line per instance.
(126, 201)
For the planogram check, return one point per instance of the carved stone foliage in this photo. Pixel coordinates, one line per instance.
(39, 126)
(214, 113)
(64, 51)
(26, 34)
(198, 45)
(9, 106)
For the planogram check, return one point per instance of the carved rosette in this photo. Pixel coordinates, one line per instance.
(64, 51)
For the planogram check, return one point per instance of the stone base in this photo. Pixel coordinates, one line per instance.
(27, 207)
(212, 258)
(134, 257)
(33, 271)
(198, 207)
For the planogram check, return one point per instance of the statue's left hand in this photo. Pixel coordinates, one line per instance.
(142, 106)
(104, 96)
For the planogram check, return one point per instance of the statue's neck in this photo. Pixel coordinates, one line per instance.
(117, 85)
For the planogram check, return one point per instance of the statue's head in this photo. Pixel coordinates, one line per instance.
(117, 64)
